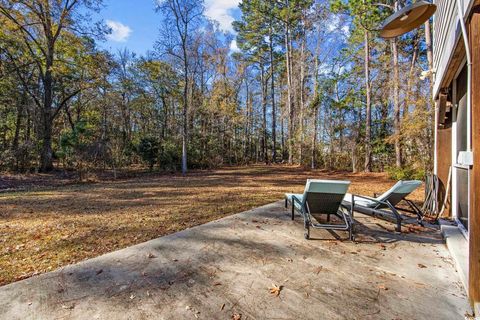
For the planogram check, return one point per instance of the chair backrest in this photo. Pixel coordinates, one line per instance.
(399, 191)
(324, 196)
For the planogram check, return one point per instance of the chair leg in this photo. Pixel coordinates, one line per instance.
(293, 212)
(328, 217)
(418, 212)
(307, 230)
(286, 203)
(397, 216)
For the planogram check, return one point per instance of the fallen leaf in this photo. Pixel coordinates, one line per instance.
(68, 307)
(421, 265)
(237, 316)
(275, 290)
(99, 271)
(383, 287)
(317, 270)
(151, 255)
(222, 307)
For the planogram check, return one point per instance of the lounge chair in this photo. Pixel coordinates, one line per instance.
(320, 198)
(385, 205)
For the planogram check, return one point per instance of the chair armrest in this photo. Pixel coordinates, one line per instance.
(386, 203)
(294, 198)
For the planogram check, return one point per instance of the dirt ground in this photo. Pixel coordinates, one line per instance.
(51, 226)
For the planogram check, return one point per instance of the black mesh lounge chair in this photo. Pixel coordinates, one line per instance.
(322, 198)
(385, 205)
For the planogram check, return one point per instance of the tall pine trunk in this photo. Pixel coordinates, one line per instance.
(272, 93)
(291, 110)
(396, 105)
(264, 115)
(368, 107)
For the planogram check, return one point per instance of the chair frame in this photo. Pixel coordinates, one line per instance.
(377, 211)
(308, 223)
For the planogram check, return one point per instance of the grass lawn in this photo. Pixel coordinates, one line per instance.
(50, 227)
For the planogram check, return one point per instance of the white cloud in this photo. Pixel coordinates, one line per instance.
(346, 31)
(220, 10)
(338, 25)
(334, 23)
(234, 46)
(119, 31)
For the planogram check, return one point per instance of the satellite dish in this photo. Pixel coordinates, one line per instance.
(407, 19)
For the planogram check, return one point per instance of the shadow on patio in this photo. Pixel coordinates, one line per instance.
(227, 266)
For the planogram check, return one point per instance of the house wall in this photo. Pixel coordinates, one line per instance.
(474, 228)
(446, 36)
(444, 161)
(449, 54)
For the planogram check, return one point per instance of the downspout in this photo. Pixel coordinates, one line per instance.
(469, 78)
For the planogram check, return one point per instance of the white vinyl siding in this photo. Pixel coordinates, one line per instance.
(446, 33)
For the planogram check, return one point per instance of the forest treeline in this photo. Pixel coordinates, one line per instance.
(300, 82)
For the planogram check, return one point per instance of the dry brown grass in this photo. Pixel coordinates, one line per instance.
(42, 230)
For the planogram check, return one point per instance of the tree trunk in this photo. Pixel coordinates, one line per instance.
(428, 41)
(368, 125)
(396, 105)
(46, 155)
(185, 109)
(291, 110)
(314, 137)
(264, 116)
(272, 92)
(18, 122)
(302, 98)
(408, 99)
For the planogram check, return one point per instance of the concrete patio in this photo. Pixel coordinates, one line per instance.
(225, 269)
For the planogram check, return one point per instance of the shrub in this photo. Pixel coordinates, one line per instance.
(405, 173)
(148, 149)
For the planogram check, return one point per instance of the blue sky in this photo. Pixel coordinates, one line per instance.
(135, 23)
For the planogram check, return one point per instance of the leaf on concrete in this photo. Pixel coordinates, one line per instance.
(275, 290)
(421, 266)
(318, 270)
(237, 316)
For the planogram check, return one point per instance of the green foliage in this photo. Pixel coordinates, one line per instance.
(170, 156)
(148, 149)
(76, 140)
(405, 173)
(78, 149)
(116, 110)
